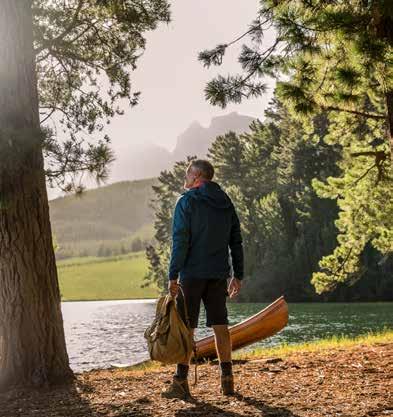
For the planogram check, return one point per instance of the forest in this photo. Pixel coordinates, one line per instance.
(277, 177)
(312, 183)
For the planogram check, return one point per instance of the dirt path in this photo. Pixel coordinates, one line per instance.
(350, 382)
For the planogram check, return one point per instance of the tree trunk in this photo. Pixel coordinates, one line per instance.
(383, 27)
(389, 106)
(32, 343)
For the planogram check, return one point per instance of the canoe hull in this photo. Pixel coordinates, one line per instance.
(266, 323)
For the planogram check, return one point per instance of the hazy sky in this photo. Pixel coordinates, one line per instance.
(171, 78)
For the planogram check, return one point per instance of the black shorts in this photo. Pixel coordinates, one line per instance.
(213, 293)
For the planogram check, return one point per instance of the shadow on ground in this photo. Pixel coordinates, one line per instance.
(262, 409)
(67, 401)
(62, 401)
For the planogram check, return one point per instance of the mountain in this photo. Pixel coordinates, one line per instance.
(196, 139)
(148, 160)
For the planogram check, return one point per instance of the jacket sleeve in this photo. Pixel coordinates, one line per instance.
(181, 231)
(236, 247)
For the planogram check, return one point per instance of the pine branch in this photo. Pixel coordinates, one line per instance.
(48, 116)
(380, 154)
(380, 157)
(252, 29)
(365, 174)
(214, 56)
(376, 116)
(51, 42)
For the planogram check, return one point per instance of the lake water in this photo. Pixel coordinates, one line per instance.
(102, 333)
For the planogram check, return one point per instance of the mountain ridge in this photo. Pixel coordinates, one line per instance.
(148, 160)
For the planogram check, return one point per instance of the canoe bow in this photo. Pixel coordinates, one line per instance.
(266, 323)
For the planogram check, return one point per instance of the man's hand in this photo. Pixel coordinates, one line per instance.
(173, 287)
(234, 287)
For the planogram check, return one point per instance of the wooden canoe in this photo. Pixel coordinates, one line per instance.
(267, 322)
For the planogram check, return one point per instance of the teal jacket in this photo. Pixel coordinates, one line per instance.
(205, 229)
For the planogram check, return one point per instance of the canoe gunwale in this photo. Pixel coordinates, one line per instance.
(251, 325)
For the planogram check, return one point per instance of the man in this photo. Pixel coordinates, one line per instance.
(205, 226)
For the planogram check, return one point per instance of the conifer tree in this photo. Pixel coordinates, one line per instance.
(52, 55)
(333, 57)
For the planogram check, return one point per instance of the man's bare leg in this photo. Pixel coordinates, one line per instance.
(224, 353)
(223, 342)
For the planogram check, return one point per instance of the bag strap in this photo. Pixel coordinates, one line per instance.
(187, 317)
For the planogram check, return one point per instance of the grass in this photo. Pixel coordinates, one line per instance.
(84, 260)
(334, 342)
(113, 278)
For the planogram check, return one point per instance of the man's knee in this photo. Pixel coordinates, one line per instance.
(221, 330)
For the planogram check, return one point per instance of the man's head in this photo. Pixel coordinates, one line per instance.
(198, 170)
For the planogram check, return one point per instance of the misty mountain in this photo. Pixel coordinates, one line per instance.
(146, 161)
(196, 139)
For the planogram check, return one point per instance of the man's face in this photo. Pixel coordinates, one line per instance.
(192, 174)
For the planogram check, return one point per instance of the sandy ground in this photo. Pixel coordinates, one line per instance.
(350, 382)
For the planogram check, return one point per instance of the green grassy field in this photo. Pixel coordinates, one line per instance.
(112, 278)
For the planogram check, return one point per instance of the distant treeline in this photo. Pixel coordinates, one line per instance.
(102, 248)
(287, 229)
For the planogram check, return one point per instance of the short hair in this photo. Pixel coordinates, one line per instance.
(205, 167)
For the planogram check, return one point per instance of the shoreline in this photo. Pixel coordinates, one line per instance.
(342, 381)
(108, 299)
(285, 349)
(232, 302)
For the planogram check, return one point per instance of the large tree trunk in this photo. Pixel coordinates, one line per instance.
(32, 343)
(389, 106)
(383, 27)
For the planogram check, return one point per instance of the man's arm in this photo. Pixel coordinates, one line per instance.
(180, 237)
(236, 247)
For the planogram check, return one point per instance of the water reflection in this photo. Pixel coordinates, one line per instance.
(102, 333)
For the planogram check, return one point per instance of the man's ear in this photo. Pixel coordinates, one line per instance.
(198, 174)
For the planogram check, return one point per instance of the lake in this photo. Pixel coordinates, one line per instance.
(102, 333)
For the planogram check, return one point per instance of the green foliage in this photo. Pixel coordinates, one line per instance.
(363, 196)
(268, 174)
(332, 52)
(332, 58)
(84, 51)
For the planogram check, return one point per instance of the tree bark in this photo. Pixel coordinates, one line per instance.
(383, 28)
(389, 106)
(32, 343)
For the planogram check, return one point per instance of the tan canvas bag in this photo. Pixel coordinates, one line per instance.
(169, 340)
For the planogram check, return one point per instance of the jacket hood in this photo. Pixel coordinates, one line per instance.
(212, 194)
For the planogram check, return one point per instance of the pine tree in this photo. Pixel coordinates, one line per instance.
(65, 46)
(333, 57)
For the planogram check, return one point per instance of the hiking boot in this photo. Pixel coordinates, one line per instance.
(227, 385)
(178, 389)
